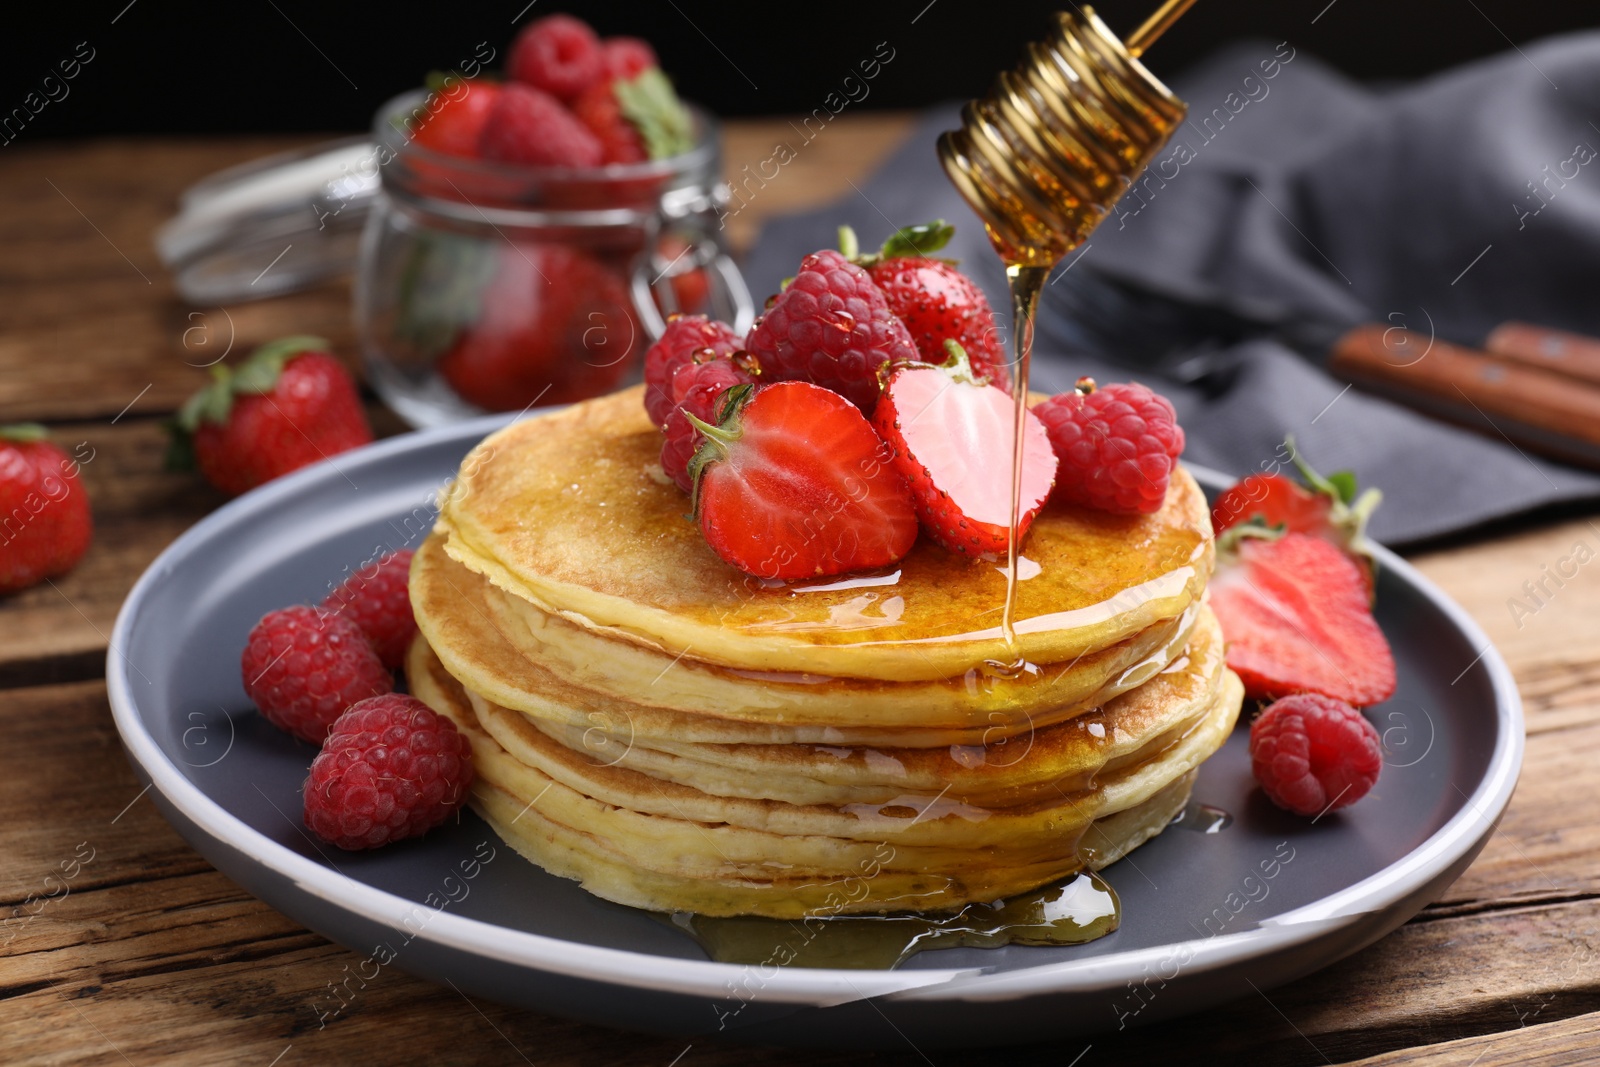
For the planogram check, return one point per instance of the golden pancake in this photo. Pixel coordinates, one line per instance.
(505, 649)
(651, 843)
(1041, 765)
(569, 511)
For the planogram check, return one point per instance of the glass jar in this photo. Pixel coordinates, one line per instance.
(487, 286)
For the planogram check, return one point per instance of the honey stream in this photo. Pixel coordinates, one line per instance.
(1040, 160)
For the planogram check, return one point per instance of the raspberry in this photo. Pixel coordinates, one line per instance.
(390, 769)
(831, 327)
(376, 598)
(696, 388)
(528, 126)
(686, 335)
(1312, 753)
(304, 666)
(625, 58)
(558, 54)
(599, 110)
(1117, 446)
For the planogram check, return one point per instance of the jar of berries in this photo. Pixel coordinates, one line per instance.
(531, 235)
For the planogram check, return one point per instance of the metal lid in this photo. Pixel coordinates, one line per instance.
(273, 225)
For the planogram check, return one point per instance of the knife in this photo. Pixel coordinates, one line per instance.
(1534, 386)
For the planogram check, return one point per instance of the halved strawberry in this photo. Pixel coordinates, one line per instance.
(933, 298)
(953, 442)
(795, 484)
(1295, 615)
(1332, 509)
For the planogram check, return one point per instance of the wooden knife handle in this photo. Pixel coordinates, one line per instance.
(1510, 396)
(1554, 350)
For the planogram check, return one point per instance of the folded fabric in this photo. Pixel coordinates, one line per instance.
(1293, 194)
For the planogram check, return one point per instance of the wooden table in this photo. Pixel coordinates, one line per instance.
(155, 957)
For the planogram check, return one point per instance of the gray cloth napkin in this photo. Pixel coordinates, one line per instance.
(1449, 205)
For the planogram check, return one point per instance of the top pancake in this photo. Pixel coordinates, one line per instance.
(570, 511)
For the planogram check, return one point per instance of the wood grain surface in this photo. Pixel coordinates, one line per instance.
(119, 944)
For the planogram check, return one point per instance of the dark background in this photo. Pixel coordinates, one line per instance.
(179, 66)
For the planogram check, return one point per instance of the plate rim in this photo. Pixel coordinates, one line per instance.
(1472, 823)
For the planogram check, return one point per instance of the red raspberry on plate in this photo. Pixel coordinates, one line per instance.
(1312, 753)
(559, 54)
(304, 666)
(391, 768)
(831, 327)
(698, 389)
(528, 126)
(625, 58)
(686, 335)
(1117, 446)
(377, 599)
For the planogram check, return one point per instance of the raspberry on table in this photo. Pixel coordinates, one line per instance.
(696, 388)
(558, 54)
(832, 327)
(1312, 753)
(529, 126)
(391, 768)
(303, 666)
(1117, 446)
(686, 337)
(377, 598)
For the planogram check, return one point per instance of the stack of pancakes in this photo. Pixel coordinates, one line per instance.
(677, 735)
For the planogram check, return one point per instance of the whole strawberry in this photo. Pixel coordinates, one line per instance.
(936, 301)
(303, 666)
(952, 437)
(290, 404)
(1117, 446)
(688, 339)
(457, 113)
(527, 126)
(45, 524)
(795, 484)
(556, 325)
(698, 390)
(391, 768)
(599, 109)
(377, 598)
(832, 327)
(1313, 754)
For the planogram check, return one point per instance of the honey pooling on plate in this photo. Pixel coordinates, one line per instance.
(1042, 158)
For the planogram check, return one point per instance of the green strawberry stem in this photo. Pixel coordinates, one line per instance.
(1349, 510)
(958, 366)
(718, 437)
(258, 374)
(22, 432)
(918, 240)
(849, 243)
(651, 104)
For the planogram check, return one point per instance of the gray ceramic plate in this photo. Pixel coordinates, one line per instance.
(1268, 899)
